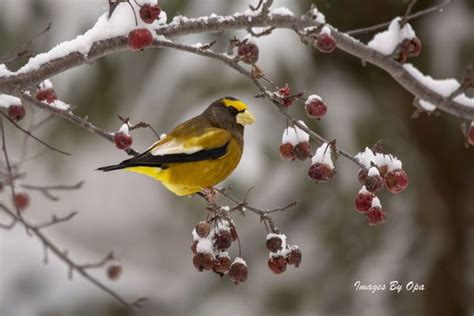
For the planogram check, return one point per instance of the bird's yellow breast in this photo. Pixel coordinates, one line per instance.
(191, 177)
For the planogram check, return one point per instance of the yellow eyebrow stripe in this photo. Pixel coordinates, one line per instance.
(239, 105)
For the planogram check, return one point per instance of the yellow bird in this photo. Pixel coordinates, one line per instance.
(198, 153)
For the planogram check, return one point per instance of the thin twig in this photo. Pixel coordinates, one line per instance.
(56, 220)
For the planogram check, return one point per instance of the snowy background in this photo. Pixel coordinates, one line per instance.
(428, 236)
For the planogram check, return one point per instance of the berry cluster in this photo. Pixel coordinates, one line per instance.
(141, 38)
(295, 144)
(281, 254)
(380, 170)
(211, 240)
(123, 139)
(247, 50)
(45, 92)
(322, 167)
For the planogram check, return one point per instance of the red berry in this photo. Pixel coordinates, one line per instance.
(139, 39)
(123, 140)
(203, 261)
(248, 52)
(233, 232)
(277, 264)
(48, 95)
(284, 94)
(238, 271)
(303, 150)
(411, 47)
(363, 201)
(320, 172)
(21, 200)
(294, 256)
(274, 243)
(402, 57)
(114, 271)
(221, 265)
(396, 180)
(315, 108)
(203, 229)
(374, 183)
(223, 240)
(326, 43)
(470, 134)
(375, 216)
(287, 152)
(149, 13)
(16, 112)
(362, 176)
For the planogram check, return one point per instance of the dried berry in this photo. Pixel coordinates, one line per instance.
(277, 264)
(411, 47)
(194, 246)
(375, 216)
(114, 271)
(21, 200)
(285, 94)
(363, 201)
(248, 52)
(287, 152)
(362, 176)
(238, 271)
(233, 232)
(223, 240)
(274, 243)
(203, 229)
(320, 172)
(139, 39)
(203, 261)
(123, 140)
(16, 112)
(221, 265)
(294, 256)
(48, 95)
(315, 107)
(326, 43)
(383, 170)
(303, 150)
(374, 183)
(149, 12)
(396, 180)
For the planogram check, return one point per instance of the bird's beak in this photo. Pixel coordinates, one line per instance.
(245, 118)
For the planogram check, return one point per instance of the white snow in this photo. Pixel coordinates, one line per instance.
(326, 30)
(373, 171)
(295, 135)
(60, 105)
(376, 202)
(312, 98)
(318, 16)
(240, 260)
(45, 85)
(8, 100)
(204, 245)
(281, 11)
(443, 87)
(323, 155)
(387, 41)
(120, 24)
(4, 70)
(367, 157)
(363, 190)
(465, 100)
(250, 39)
(124, 129)
(427, 106)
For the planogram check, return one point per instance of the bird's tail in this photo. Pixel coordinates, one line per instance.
(113, 167)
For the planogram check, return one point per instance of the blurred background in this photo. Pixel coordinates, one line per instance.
(428, 234)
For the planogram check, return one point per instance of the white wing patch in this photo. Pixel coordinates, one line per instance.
(174, 147)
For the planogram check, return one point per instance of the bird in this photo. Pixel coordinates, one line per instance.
(196, 154)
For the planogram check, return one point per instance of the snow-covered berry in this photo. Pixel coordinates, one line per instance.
(363, 200)
(303, 150)
(123, 139)
(21, 200)
(274, 242)
(411, 47)
(315, 107)
(48, 95)
(149, 12)
(362, 176)
(221, 265)
(139, 39)
(203, 261)
(16, 112)
(326, 43)
(396, 180)
(277, 264)
(287, 152)
(373, 182)
(223, 240)
(203, 229)
(294, 256)
(238, 271)
(375, 216)
(320, 172)
(114, 270)
(248, 51)
(233, 232)
(285, 93)
(470, 134)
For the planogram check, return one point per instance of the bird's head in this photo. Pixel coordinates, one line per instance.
(229, 111)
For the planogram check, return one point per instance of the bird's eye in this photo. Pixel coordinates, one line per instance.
(233, 110)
